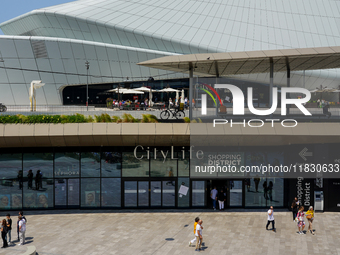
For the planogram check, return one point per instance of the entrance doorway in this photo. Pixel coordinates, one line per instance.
(233, 189)
(66, 193)
(145, 193)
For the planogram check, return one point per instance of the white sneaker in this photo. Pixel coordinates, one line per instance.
(19, 244)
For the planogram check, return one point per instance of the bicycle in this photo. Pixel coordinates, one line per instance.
(3, 108)
(177, 113)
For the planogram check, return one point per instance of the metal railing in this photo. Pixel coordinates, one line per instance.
(136, 112)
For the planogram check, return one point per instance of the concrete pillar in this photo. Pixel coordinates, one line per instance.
(271, 82)
(288, 85)
(191, 89)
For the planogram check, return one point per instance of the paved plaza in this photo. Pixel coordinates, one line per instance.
(169, 231)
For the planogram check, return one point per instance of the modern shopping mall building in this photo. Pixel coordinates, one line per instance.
(95, 165)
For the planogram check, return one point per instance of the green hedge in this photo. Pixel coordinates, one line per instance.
(77, 118)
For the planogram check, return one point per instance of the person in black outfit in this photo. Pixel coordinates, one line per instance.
(222, 197)
(265, 190)
(4, 233)
(37, 180)
(295, 207)
(30, 179)
(257, 181)
(325, 110)
(9, 226)
(21, 213)
(20, 175)
(270, 190)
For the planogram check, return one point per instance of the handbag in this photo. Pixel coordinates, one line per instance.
(309, 216)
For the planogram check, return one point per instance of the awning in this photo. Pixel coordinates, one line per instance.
(233, 63)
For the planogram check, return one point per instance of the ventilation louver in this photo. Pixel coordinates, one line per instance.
(39, 49)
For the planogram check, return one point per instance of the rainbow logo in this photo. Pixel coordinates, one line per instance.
(209, 93)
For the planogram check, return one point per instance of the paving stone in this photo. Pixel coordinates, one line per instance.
(169, 231)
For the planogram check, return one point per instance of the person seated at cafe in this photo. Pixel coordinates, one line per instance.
(145, 104)
(170, 103)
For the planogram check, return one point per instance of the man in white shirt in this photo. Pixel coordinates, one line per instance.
(213, 195)
(22, 230)
(271, 219)
(198, 235)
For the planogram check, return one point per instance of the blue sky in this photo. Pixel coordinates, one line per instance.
(14, 8)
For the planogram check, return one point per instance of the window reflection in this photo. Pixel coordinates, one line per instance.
(10, 165)
(38, 161)
(66, 164)
(111, 192)
(161, 167)
(132, 167)
(111, 164)
(90, 164)
(90, 191)
(39, 198)
(183, 164)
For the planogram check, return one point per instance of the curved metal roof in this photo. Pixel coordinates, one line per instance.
(233, 63)
(189, 26)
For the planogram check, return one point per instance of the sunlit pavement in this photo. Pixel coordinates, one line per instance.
(169, 232)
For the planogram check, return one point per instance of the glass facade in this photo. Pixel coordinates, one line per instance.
(122, 177)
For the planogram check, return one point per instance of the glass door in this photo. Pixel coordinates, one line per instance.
(66, 193)
(156, 193)
(73, 193)
(235, 193)
(130, 194)
(168, 194)
(143, 193)
(60, 191)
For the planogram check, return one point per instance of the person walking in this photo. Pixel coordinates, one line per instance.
(195, 225)
(222, 197)
(265, 190)
(213, 195)
(271, 219)
(295, 207)
(247, 182)
(29, 179)
(37, 180)
(20, 179)
(270, 190)
(21, 213)
(22, 230)
(199, 236)
(301, 220)
(257, 181)
(9, 228)
(4, 233)
(310, 218)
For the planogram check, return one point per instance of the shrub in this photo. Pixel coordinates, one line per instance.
(77, 118)
(116, 119)
(149, 118)
(104, 117)
(186, 120)
(128, 118)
